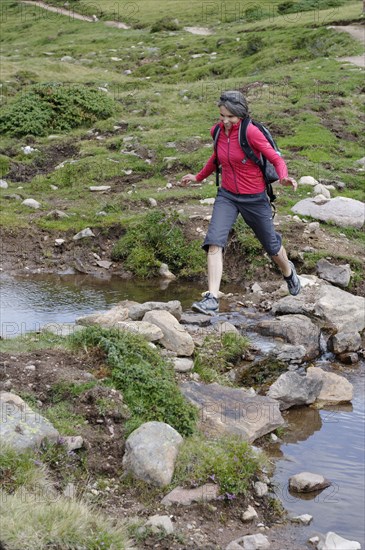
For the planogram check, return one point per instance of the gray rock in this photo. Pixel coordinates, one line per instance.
(152, 202)
(250, 542)
(57, 214)
(361, 162)
(107, 320)
(160, 522)
(304, 519)
(297, 330)
(73, 442)
(83, 234)
(336, 274)
(292, 389)
(335, 389)
(327, 303)
(166, 273)
(105, 264)
(209, 201)
(348, 358)
(67, 59)
(20, 427)
(151, 332)
(32, 203)
(308, 180)
(288, 352)
(344, 341)
(224, 327)
(331, 541)
(226, 410)
(3, 184)
(249, 514)
(151, 452)
(261, 489)
(186, 497)
(137, 311)
(312, 227)
(183, 364)
(342, 211)
(175, 337)
(99, 188)
(320, 189)
(306, 482)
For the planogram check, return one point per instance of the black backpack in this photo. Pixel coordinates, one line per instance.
(267, 169)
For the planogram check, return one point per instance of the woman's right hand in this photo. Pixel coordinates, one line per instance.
(187, 179)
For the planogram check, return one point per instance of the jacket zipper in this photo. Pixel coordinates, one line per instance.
(233, 172)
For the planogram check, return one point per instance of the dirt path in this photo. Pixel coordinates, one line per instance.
(358, 33)
(73, 15)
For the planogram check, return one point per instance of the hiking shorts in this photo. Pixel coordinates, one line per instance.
(256, 212)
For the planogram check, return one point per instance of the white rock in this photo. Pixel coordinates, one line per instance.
(308, 180)
(256, 288)
(320, 189)
(207, 201)
(261, 489)
(83, 234)
(335, 389)
(333, 541)
(306, 482)
(152, 202)
(28, 150)
(304, 519)
(31, 203)
(99, 188)
(67, 59)
(161, 522)
(249, 514)
(313, 227)
(250, 542)
(342, 211)
(3, 184)
(73, 442)
(59, 242)
(183, 364)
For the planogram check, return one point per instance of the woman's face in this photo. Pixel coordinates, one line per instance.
(227, 117)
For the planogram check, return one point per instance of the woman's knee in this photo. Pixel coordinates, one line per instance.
(214, 249)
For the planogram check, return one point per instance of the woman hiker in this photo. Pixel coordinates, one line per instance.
(242, 192)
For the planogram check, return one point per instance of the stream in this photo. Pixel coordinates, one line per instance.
(328, 442)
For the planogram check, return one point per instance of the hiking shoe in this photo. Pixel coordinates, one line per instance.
(208, 305)
(293, 281)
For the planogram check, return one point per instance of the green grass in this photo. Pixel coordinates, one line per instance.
(64, 419)
(31, 342)
(218, 355)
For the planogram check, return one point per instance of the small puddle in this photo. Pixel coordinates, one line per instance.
(329, 442)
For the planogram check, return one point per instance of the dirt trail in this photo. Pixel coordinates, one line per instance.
(358, 33)
(73, 15)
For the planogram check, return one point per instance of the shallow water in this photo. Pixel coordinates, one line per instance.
(329, 442)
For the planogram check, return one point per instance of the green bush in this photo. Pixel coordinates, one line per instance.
(254, 44)
(53, 107)
(307, 5)
(165, 24)
(145, 379)
(229, 461)
(157, 239)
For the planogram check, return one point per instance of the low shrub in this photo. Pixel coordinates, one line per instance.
(229, 461)
(165, 24)
(145, 379)
(159, 238)
(54, 107)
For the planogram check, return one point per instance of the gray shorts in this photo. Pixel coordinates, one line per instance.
(255, 210)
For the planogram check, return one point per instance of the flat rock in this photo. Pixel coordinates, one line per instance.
(20, 427)
(304, 519)
(186, 497)
(308, 180)
(151, 332)
(100, 188)
(342, 211)
(32, 203)
(107, 320)
(336, 274)
(226, 410)
(160, 522)
(182, 364)
(250, 542)
(85, 233)
(306, 482)
(335, 388)
(137, 311)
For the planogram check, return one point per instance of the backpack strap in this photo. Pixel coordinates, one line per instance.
(216, 132)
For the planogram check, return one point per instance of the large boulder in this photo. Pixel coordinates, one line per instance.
(175, 337)
(345, 341)
(297, 330)
(292, 389)
(341, 309)
(108, 319)
(147, 330)
(306, 482)
(151, 452)
(342, 211)
(233, 411)
(20, 427)
(137, 311)
(331, 541)
(335, 389)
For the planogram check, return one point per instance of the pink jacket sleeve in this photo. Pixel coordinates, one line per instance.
(259, 143)
(208, 169)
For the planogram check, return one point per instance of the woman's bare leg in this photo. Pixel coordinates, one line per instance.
(215, 269)
(281, 260)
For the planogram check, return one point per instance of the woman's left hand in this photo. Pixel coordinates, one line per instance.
(289, 181)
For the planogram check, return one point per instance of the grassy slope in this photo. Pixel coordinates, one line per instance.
(311, 102)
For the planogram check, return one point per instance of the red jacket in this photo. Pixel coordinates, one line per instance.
(237, 177)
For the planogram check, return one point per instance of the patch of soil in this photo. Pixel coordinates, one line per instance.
(120, 183)
(42, 164)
